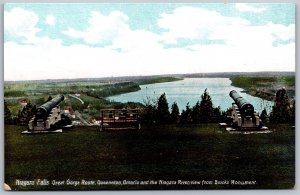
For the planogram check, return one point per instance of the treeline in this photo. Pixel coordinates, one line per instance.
(23, 116)
(14, 93)
(114, 89)
(203, 112)
(158, 112)
(157, 80)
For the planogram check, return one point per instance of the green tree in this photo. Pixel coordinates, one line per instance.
(26, 114)
(217, 115)
(186, 115)
(7, 114)
(175, 113)
(225, 116)
(163, 113)
(206, 108)
(282, 110)
(196, 113)
(149, 114)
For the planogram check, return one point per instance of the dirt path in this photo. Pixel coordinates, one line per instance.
(73, 96)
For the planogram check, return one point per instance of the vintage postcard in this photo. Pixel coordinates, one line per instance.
(149, 96)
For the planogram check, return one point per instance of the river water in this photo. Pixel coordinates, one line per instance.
(189, 91)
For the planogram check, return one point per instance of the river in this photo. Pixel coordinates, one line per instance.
(189, 91)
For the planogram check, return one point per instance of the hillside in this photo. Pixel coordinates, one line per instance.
(265, 87)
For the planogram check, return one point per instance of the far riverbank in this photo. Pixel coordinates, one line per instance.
(264, 87)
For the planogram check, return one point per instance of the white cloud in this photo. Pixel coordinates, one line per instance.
(50, 20)
(102, 28)
(243, 7)
(200, 24)
(246, 48)
(21, 23)
(115, 29)
(195, 23)
(137, 40)
(281, 31)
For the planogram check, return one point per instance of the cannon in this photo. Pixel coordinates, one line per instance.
(243, 114)
(43, 110)
(245, 107)
(47, 116)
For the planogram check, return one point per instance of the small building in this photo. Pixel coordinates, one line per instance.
(23, 102)
(69, 111)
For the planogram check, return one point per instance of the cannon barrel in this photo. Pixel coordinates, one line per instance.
(245, 107)
(43, 110)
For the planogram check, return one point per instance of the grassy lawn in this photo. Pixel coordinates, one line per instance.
(202, 152)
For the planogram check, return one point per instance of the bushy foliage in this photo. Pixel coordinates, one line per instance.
(204, 112)
(25, 114)
(283, 111)
(226, 116)
(264, 117)
(7, 114)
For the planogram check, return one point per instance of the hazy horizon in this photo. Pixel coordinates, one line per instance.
(206, 74)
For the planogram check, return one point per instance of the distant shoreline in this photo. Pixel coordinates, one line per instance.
(265, 87)
(184, 75)
(160, 80)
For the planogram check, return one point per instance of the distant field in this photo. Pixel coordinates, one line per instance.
(92, 92)
(201, 152)
(252, 82)
(264, 87)
(103, 88)
(289, 80)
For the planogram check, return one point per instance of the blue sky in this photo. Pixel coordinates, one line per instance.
(99, 40)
